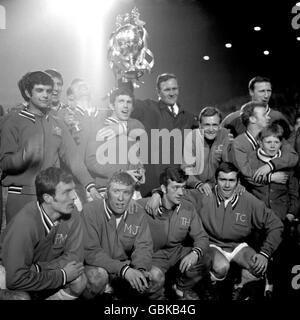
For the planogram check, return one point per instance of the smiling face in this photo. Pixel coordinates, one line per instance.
(122, 107)
(271, 145)
(168, 92)
(227, 183)
(210, 126)
(40, 97)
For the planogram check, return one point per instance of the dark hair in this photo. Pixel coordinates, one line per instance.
(227, 167)
(272, 130)
(209, 112)
(163, 78)
(55, 74)
(30, 79)
(256, 80)
(248, 111)
(121, 177)
(174, 174)
(47, 180)
(119, 92)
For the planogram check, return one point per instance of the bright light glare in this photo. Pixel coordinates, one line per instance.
(298, 38)
(257, 28)
(206, 58)
(86, 18)
(266, 52)
(228, 45)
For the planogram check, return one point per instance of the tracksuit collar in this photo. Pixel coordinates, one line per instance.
(47, 222)
(31, 116)
(252, 140)
(234, 199)
(109, 212)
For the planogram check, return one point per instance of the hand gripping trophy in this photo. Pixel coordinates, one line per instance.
(128, 54)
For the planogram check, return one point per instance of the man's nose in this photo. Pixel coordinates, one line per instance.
(120, 196)
(74, 195)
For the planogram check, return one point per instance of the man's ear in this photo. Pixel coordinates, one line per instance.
(28, 95)
(47, 198)
(252, 119)
(163, 188)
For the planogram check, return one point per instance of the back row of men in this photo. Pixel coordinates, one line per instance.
(39, 137)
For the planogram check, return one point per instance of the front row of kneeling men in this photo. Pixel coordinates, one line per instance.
(50, 251)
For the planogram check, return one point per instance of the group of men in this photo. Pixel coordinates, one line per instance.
(58, 160)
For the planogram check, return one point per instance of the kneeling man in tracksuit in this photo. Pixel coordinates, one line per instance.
(176, 222)
(229, 219)
(118, 244)
(42, 246)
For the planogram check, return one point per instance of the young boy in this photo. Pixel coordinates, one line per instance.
(280, 193)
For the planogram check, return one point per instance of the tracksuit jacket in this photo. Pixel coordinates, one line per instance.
(245, 143)
(98, 143)
(281, 198)
(214, 154)
(116, 248)
(228, 227)
(55, 142)
(34, 250)
(170, 228)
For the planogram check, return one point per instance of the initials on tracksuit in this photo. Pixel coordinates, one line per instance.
(131, 229)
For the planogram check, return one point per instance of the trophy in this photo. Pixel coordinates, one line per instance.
(128, 54)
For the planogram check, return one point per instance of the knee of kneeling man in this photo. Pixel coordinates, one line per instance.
(221, 269)
(97, 276)
(77, 286)
(158, 276)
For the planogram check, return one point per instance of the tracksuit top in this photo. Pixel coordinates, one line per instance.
(115, 248)
(228, 227)
(99, 147)
(281, 198)
(213, 155)
(34, 249)
(245, 143)
(171, 228)
(55, 142)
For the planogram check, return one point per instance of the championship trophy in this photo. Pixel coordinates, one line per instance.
(128, 54)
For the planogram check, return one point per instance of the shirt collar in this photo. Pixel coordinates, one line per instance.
(234, 199)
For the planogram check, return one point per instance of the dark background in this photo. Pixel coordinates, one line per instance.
(180, 32)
